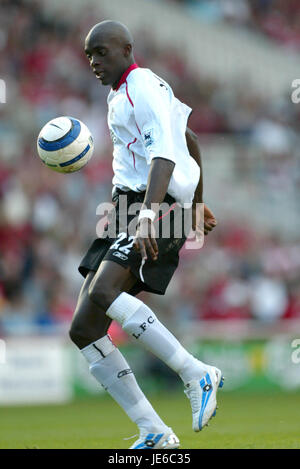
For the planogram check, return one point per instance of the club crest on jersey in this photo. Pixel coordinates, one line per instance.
(113, 136)
(148, 138)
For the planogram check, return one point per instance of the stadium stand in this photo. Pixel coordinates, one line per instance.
(249, 267)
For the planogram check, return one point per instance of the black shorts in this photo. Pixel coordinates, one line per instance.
(152, 276)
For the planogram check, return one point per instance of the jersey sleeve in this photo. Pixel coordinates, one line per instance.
(152, 110)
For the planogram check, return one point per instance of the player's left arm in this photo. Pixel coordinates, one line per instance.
(194, 150)
(160, 173)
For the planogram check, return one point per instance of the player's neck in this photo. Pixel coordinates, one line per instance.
(131, 66)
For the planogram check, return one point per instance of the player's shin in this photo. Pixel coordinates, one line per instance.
(141, 323)
(112, 371)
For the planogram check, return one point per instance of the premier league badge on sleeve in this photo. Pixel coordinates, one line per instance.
(148, 137)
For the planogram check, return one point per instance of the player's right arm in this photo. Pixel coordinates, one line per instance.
(158, 181)
(152, 114)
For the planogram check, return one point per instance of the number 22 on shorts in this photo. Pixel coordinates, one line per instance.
(125, 248)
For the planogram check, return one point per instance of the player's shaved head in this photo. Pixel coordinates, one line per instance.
(108, 47)
(111, 31)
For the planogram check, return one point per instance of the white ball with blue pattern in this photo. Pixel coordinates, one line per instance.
(65, 144)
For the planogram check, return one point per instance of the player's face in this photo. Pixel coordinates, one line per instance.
(107, 59)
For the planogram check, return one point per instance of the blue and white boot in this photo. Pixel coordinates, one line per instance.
(164, 440)
(202, 394)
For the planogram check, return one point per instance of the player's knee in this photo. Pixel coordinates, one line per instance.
(77, 335)
(74, 335)
(80, 335)
(102, 294)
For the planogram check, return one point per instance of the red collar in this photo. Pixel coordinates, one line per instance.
(125, 75)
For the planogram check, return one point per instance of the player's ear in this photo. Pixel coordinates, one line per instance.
(127, 50)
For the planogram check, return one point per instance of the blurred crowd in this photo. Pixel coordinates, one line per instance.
(47, 220)
(277, 19)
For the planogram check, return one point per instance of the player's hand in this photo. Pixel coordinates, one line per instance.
(145, 241)
(207, 218)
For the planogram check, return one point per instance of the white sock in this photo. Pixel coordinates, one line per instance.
(139, 321)
(112, 371)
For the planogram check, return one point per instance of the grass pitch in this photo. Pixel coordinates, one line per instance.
(242, 421)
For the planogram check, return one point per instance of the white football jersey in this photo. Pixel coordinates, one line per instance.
(145, 121)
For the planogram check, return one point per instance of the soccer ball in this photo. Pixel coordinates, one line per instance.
(65, 144)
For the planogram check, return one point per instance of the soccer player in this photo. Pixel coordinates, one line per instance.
(156, 159)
